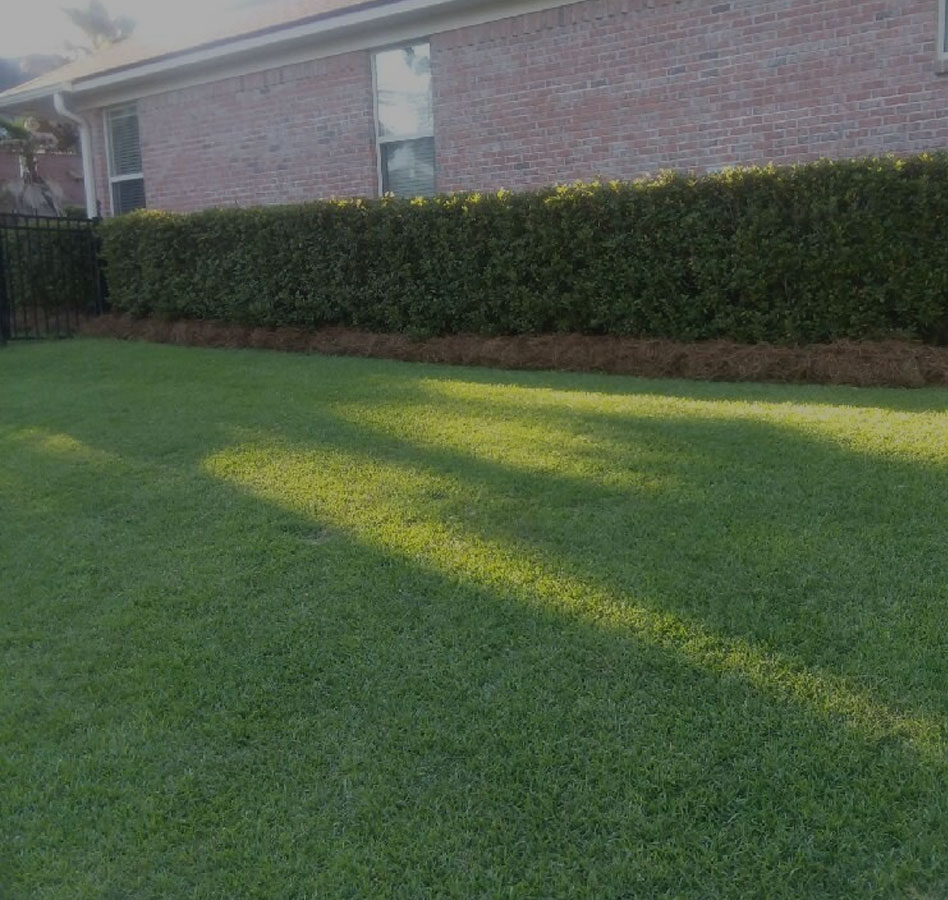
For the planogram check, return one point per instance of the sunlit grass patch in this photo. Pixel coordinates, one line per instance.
(291, 626)
(62, 446)
(390, 508)
(852, 420)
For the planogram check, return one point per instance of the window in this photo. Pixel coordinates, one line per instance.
(125, 160)
(405, 121)
(942, 28)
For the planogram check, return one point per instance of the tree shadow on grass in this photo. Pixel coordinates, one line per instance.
(931, 399)
(258, 369)
(257, 693)
(364, 725)
(828, 558)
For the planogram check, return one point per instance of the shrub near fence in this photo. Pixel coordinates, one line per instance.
(811, 253)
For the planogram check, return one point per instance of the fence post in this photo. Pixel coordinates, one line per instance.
(6, 328)
(101, 287)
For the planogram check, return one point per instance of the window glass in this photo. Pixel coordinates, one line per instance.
(408, 167)
(128, 195)
(403, 80)
(125, 160)
(126, 147)
(405, 120)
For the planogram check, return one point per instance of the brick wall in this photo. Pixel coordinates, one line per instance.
(64, 169)
(622, 88)
(9, 167)
(281, 136)
(616, 88)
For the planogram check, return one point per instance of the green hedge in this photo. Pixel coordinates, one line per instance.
(811, 253)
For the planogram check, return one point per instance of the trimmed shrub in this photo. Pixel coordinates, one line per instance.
(804, 254)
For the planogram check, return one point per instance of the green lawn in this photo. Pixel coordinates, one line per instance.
(287, 626)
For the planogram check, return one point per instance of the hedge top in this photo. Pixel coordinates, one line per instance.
(803, 254)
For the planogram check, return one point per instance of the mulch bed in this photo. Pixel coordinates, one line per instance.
(864, 363)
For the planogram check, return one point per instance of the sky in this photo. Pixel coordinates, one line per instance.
(40, 26)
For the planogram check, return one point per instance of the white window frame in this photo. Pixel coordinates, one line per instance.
(380, 141)
(107, 127)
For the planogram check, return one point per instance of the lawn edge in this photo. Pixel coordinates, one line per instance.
(889, 363)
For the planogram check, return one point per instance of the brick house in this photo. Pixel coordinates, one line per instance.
(326, 98)
(63, 170)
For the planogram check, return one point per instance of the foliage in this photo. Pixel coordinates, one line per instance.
(31, 194)
(61, 136)
(811, 253)
(99, 27)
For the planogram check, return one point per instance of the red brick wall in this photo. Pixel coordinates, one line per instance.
(9, 167)
(621, 88)
(616, 88)
(65, 169)
(282, 136)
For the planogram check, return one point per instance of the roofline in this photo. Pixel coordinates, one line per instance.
(22, 98)
(323, 25)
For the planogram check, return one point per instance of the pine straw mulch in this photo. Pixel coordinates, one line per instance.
(863, 363)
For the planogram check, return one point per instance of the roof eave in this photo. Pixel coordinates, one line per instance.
(221, 52)
(35, 100)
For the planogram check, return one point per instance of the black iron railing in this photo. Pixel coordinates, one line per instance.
(50, 275)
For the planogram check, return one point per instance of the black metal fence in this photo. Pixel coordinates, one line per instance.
(50, 276)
